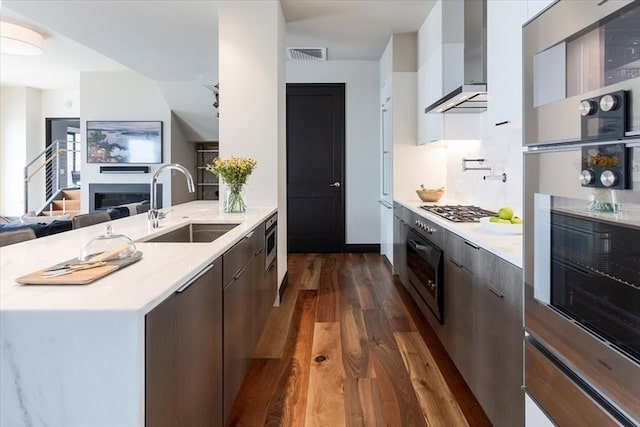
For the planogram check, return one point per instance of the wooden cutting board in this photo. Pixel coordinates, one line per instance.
(81, 277)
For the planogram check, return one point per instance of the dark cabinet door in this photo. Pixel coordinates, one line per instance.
(184, 355)
(238, 307)
(498, 347)
(458, 311)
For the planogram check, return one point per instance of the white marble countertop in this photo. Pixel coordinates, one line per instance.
(164, 267)
(75, 354)
(506, 246)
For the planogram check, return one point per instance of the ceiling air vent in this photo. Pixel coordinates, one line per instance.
(307, 53)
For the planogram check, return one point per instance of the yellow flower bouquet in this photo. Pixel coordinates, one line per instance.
(234, 172)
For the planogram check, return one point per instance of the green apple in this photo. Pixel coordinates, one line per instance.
(516, 220)
(505, 213)
(494, 219)
(504, 221)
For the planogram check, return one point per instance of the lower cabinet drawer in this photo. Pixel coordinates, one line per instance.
(238, 256)
(562, 399)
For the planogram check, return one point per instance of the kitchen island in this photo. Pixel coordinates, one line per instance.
(75, 355)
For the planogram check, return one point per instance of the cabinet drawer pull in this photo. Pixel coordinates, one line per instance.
(258, 251)
(249, 235)
(239, 273)
(495, 291)
(273, 264)
(471, 244)
(455, 263)
(194, 279)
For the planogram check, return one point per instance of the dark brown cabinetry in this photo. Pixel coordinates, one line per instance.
(400, 230)
(244, 309)
(183, 361)
(482, 330)
(497, 351)
(460, 262)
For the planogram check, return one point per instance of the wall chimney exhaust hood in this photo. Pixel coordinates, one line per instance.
(471, 97)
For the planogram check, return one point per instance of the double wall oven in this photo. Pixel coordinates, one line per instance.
(582, 212)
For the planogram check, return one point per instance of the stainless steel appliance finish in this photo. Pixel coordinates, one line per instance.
(425, 264)
(459, 213)
(582, 288)
(270, 240)
(471, 97)
(582, 211)
(584, 72)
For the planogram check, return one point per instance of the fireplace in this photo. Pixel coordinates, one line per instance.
(102, 196)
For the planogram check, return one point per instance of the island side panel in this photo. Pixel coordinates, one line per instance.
(70, 368)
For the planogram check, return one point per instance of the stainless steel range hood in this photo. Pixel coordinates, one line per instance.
(471, 97)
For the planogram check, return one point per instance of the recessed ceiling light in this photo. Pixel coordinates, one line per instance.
(18, 40)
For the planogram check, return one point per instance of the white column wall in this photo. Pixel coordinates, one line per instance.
(362, 139)
(248, 37)
(252, 101)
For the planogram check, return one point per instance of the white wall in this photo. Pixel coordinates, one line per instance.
(252, 102)
(60, 104)
(362, 158)
(124, 96)
(22, 128)
(13, 153)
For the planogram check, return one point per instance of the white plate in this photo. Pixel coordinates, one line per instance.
(500, 228)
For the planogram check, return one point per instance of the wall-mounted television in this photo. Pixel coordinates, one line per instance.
(124, 142)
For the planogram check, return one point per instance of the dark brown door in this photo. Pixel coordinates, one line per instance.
(315, 167)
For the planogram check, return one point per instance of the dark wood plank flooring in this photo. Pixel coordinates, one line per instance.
(348, 347)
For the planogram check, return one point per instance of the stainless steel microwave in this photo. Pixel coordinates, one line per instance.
(582, 65)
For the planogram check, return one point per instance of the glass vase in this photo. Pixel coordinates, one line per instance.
(234, 199)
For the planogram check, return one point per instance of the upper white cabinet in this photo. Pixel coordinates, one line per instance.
(440, 65)
(504, 61)
(430, 85)
(432, 123)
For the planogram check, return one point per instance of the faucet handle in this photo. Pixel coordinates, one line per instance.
(163, 215)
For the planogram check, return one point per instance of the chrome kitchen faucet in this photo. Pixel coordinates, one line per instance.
(153, 211)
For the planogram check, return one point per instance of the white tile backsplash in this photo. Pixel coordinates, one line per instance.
(501, 147)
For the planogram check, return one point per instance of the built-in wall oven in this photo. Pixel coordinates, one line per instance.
(581, 65)
(271, 241)
(582, 212)
(425, 265)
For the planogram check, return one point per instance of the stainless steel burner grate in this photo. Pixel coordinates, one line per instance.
(459, 213)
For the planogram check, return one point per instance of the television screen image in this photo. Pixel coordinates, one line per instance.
(124, 142)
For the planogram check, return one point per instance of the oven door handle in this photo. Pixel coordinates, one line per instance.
(418, 246)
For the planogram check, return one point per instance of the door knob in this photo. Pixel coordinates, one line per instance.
(335, 184)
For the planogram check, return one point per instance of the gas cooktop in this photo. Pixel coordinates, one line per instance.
(459, 213)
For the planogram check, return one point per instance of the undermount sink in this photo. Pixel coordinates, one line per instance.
(191, 233)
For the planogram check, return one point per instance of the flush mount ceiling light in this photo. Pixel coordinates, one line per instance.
(18, 40)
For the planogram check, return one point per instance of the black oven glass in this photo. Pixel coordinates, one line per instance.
(424, 262)
(604, 54)
(271, 242)
(595, 277)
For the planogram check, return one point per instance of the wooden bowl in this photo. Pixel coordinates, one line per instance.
(428, 195)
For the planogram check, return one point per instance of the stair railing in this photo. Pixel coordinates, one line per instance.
(49, 173)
